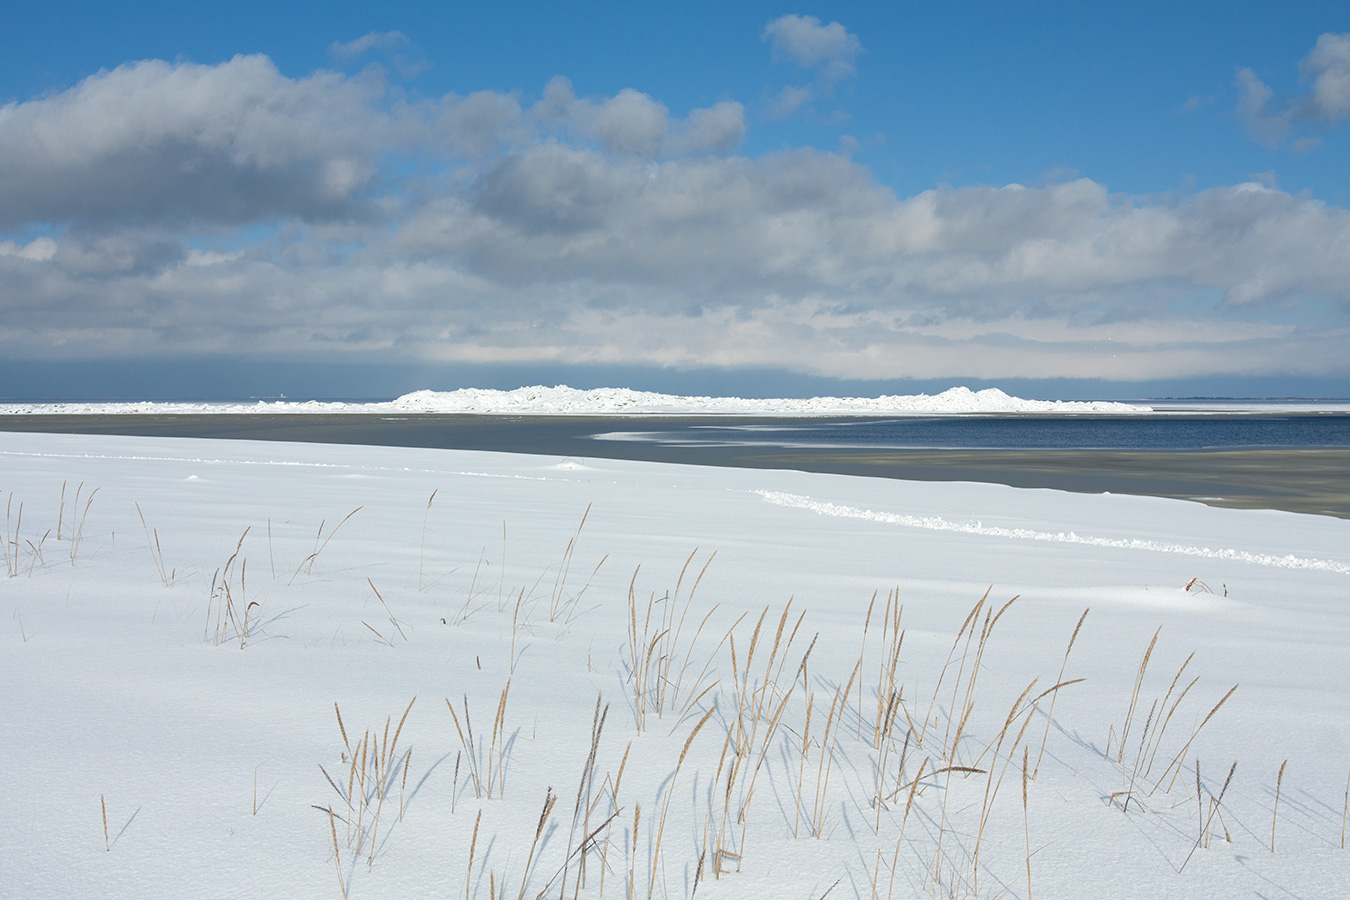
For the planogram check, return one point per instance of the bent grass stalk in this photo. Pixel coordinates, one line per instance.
(1049, 717)
(665, 806)
(1275, 811)
(84, 515)
(156, 553)
(473, 844)
(307, 564)
(422, 551)
(1134, 697)
(1214, 804)
(495, 776)
(1176, 761)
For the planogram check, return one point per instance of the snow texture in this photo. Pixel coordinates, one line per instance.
(184, 620)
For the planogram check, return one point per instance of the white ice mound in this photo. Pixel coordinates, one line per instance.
(563, 400)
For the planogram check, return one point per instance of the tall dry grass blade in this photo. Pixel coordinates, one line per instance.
(970, 617)
(549, 800)
(1051, 714)
(337, 854)
(1157, 744)
(587, 779)
(665, 806)
(1345, 809)
(387, 610)
(501, 579)
(84, 516)
(107, 844)
(473, 844)
(1026, 822)
(422, 552)
(1176, 762)
(1134, 695)
(1275, 811)
(1214, 804)
(61, 515)
(307, 564)
(155, 553)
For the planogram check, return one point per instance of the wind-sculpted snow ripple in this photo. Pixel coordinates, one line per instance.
(937, 523)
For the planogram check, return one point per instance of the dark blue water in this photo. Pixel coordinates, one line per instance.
(1154, 432)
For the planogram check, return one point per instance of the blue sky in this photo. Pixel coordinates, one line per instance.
(738, 198)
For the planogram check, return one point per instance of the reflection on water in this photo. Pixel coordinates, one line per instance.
(1017, 433)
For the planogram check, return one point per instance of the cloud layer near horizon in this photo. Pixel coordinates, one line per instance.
(177, 208)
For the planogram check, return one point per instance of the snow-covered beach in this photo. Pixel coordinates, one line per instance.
(177, 642)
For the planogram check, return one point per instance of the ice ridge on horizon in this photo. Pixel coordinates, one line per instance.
(564, 400)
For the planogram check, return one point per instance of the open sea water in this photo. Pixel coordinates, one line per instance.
(1149, 432)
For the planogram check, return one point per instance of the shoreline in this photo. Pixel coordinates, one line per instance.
(1312, 480)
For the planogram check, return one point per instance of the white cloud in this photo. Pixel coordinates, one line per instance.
(720, 128)
(789, 100)
(1328, 68)
(375, 40)
(37, 250)
(631, 122)
(232, 142)
(1327, 102)
(478, 125)
(804, 40)
(229, 209)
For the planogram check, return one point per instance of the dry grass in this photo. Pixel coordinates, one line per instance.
(156, 552)
(755, 714)
(561, 604)
(14, 546)
(233, 615)
(1215, 802)
(307, 564)
(1049, 716)
(1275, 810)
(487, 769)
(654, 648)
(1345, 810)
(422, 549)
(373, 766)
(1134, 699)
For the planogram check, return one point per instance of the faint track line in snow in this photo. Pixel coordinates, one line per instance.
(208, 461)
(937, 523)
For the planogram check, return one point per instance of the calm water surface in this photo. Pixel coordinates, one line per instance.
(1154, 432)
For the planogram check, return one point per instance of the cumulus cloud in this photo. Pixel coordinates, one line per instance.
(789, 100)
(376, 40)
(232, 142)
(175, 208)
(394, 46)
(633, 123)
(1326, 69)
(478, 125)
(831, 49)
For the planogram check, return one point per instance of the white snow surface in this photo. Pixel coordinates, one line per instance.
(180, 618)
(563, 400)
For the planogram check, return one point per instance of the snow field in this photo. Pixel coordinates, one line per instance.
(125, 688)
